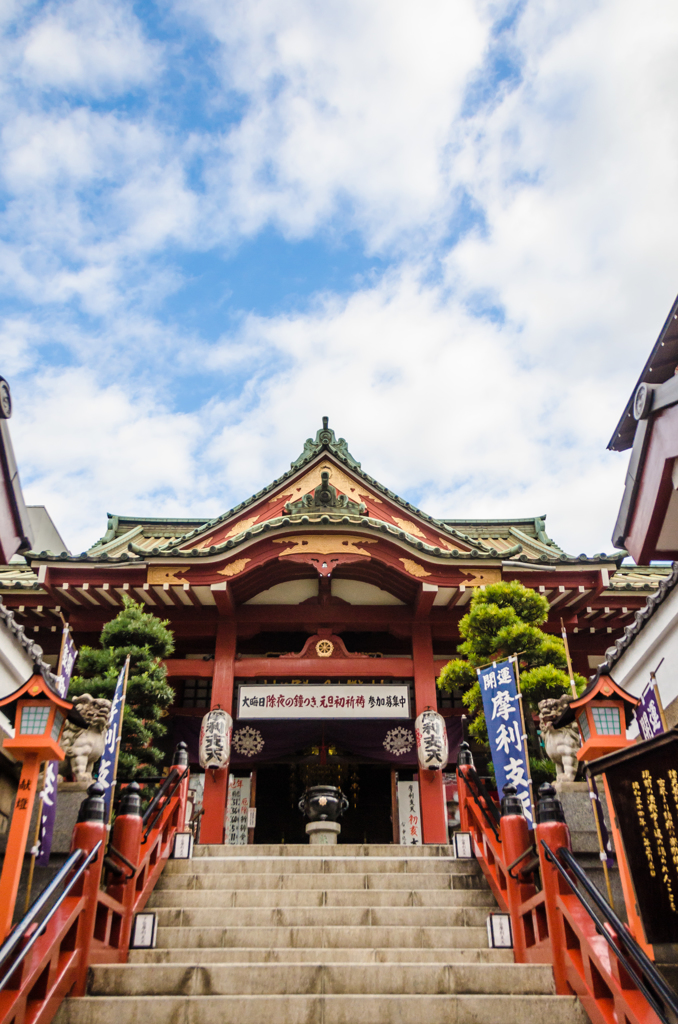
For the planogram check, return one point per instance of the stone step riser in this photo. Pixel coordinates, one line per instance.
(331, 955)
(196, 899)
(456, 1009)
(306, 850)
(317, 865)
(350, 880)
(323, 979)
(322, 938)
(323, 917)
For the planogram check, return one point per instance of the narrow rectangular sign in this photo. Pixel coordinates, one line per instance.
(501, 704)
(409, 814)
(237, 811)
(649, 713)
(330, 700)
(107, 765)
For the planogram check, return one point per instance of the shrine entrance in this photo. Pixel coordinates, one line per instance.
(367, 787)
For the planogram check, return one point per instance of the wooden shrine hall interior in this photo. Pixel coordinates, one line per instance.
(323, 577)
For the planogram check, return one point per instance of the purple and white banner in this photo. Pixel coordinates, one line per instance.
(648, 713)
(49, 790)
(501, 704)
(107, 764)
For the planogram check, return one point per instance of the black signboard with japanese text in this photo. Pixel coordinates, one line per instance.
(643, 782)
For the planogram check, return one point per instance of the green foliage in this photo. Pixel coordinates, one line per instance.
(147, 640)
(503, 620)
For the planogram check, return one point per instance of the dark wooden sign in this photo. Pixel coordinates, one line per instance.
(643, 782)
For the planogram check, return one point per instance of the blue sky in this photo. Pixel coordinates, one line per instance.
(449, 226)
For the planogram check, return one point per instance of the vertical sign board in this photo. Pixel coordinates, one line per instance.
(649, 713)
(409, 814)
(643, 783)
(237, 811)
(501, 705)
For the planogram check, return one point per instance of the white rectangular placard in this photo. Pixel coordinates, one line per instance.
(183, 846)
(409, 814)
(329, 700)
(499, 933)
(252, 817)
(144, 931)
(237, 811)
(463, 847)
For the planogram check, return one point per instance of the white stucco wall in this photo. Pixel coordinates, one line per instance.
(657, 639)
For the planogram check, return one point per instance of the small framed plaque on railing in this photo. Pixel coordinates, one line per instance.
(463, 847)
(144, 931)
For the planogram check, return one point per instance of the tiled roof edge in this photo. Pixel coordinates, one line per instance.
(33, 650)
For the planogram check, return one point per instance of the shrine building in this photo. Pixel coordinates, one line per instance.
(319, 612)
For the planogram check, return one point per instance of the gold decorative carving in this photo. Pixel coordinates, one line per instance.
(409, 527)
(233, 568)
(159, 574)
(240, 527)
(324, 544)
(324, 648)
(414, 568)
(481, 577)
(342, 481)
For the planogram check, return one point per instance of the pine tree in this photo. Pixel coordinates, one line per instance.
(147, 640)
(505, 619)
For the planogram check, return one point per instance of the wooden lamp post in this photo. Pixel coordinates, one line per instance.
(39, 717)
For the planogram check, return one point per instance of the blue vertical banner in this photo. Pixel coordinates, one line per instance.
(501, 704)
(109, 758)
(49, 788)
(649, 713)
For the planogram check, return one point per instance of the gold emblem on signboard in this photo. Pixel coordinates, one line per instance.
(324, 544)
(324, 648)
(159, 574)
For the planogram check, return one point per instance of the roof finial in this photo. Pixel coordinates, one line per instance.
(326, 421)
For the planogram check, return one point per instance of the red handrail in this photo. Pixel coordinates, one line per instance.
(550, 925)
(91, 925)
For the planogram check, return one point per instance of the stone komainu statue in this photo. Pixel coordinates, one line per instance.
(561, 744)
(84, 747)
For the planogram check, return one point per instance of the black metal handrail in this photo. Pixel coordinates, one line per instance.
(20, 929)
(490, 811)
(155, 808)
(655, 988)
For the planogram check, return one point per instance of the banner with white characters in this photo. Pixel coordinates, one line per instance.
(107, 764)
(501, 704)
(49, 787)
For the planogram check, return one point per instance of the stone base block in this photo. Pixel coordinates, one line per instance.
(323, 833)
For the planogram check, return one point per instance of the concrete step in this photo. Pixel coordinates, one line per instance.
(218, 898)
(314, 864)
(306, 850)
(321, 917)
(321, 938)
(317, 880)
(326, 1009)
(321, 979)
(331, 954)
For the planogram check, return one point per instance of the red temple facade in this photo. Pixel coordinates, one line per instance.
(323, 577)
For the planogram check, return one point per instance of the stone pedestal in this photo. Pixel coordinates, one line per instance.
(323, 833)
(579, 815)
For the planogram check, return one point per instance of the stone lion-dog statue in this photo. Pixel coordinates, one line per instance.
(561, 744)
(84, 747)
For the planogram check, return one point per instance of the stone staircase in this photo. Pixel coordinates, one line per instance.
(322, 935)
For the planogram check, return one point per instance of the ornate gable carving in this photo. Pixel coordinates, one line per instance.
(325, 497)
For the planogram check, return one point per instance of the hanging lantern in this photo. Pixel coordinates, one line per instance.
(432, 747)
(215, 739)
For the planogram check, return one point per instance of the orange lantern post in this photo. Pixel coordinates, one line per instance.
(603, 713)
(39, 717)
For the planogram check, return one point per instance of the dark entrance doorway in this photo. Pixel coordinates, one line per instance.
(367, 820)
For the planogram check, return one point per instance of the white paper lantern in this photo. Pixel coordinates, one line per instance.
(215, 739)
(432, 746)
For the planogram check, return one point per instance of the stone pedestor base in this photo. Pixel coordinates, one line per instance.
(323, 833)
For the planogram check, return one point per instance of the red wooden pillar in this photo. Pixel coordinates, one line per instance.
(431, 790)
(216, 783)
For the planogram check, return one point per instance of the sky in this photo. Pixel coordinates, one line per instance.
(449, 226)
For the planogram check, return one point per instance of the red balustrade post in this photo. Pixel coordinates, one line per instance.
(126, 843)
(515, 840)
(181, 764)
(553, 830)
(464, 762)
(86, 835)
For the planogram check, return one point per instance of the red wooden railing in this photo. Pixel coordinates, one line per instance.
(43, 962)
(535, 879)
